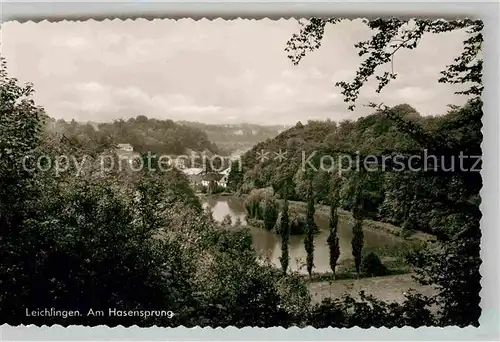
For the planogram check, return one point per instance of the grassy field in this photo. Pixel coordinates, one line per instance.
(388, 288)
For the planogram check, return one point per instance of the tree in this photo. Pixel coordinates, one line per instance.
(357, 243)
(20, 124)
(333, 239)
(310, 230)
(270, 212)
(124, 241)
(372, 265)
(358, 215)
(285, 236)
(391, 36)
(458, 285)
(234, 179)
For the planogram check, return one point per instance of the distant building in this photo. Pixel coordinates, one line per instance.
(126, 152)
(225, 177)
(177, 162)
(211, 180)
(125, 147)
(194, 175)
(192, 171)
(223, 181)
(226, 172)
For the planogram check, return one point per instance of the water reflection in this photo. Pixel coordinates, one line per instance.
(268, 243)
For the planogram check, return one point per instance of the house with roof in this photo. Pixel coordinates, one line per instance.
(225, 177)
(125, 147)
(194, 175)
(178, 162)
(126, 152)
(211, 181)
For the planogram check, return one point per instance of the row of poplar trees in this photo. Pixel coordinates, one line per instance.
(333, 239)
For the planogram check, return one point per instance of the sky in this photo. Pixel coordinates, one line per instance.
(216, 71)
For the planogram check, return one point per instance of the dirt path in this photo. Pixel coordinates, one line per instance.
(389, 288)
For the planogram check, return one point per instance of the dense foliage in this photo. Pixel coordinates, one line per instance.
(388, 196)
(440, 199)
(144, 134)
(126, 241)
(119, 240)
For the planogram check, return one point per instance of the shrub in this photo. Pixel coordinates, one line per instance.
(226, 221)
(372, 265)
(270, 212)
(297, 222)
(253, 202)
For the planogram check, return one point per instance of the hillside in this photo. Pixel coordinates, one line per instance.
(236, 138)
(390, 196)
(144, 134)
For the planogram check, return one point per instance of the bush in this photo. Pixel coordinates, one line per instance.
(269, 208)
(227, 221)
(296, 220)
(218, 190)
(253, 202)
(372, 265)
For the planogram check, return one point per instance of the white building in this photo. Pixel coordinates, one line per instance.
(223, 181)
(194, 174)
(126, 152)
(225, 176)
(125, 147)
(178, 162)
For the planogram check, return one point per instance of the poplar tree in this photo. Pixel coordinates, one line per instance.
(357, 237)
(333, 239)
(285, 235)
(310, 228)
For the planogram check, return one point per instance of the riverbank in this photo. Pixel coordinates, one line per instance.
(370, 224)
(321, 209)
(202, 195)
(392, 250)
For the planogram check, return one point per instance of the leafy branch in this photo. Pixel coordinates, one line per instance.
(393, 35)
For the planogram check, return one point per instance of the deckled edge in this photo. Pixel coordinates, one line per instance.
(490, 209)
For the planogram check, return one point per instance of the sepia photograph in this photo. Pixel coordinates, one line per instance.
(303, 172)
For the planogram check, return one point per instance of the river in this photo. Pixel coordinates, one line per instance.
(268, 245)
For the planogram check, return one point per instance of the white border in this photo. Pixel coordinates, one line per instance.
(488, 11)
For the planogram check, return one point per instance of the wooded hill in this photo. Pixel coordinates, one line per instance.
(234, 138)
(144, 134)
(414, 200)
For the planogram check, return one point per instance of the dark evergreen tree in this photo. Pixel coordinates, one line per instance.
(333, 239)
(310, 229)
(357, 243)
(285, 236)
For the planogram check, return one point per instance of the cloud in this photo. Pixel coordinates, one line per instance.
(416, 94)
(213, 71)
